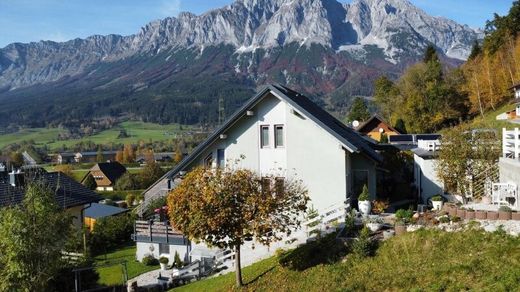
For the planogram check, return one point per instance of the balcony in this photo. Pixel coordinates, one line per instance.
(157, 232)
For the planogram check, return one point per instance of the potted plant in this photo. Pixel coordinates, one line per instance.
(164, 263)
(470, 214)
(437, 202)
(364, 201)
(480, 215)
(379, 206)
(504, 213)
(400, 227)
(375, 224)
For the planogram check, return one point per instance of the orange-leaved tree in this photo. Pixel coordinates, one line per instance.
(224, 207)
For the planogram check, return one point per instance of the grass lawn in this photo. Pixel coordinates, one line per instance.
(136, 130)
(426, 260)
(113, 275)
(489, 120)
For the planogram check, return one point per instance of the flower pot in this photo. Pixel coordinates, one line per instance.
(365, 207)
(480, 215)
(492, 215)
(164, 267)
(470, 215)
(461, 213)
(437, 205)
(400, 229)
(374, 227)
(515, 216)
(504, 215)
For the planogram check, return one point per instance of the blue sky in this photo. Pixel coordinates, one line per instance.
(60, 20)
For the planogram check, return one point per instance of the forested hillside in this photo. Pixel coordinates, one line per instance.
(429, 97)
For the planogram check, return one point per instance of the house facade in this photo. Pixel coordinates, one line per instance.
(282, 130)
(284, 133)
(513, 114)
(106, 175)
(376, 127)
(426, 178)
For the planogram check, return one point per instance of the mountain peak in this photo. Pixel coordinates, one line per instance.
(395, 28)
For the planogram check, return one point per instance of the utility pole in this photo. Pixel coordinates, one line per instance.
(221, 110)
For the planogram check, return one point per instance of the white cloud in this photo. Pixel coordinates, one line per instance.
(170, 7)
(56, 37)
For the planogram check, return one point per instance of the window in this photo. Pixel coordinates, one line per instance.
(208, 161)
(278, 136)
(221, 158)
(164, 248)
(264, 136)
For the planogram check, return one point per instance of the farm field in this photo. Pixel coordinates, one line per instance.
(136, 130)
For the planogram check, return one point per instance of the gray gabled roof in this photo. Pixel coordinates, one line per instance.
(347, 136)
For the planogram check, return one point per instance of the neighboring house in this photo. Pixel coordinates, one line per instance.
(158, 157)
(375, 127)
(86, 157)
(281, 129)
(514, 114)
(506, 192)
(97, 211)
(65, 158)
(106, 175)
(426, 178)
(28, 159)
(70, 195)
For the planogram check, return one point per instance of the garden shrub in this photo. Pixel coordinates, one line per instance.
(150, 260)
(111, 232)
(364, 246)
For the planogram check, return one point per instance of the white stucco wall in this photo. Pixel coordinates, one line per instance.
(144, 249)
(310, 153)
(509, 170)
(426, 178)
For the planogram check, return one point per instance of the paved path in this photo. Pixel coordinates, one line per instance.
(150, 278)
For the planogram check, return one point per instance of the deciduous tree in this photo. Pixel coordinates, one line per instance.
(32, 238)
(224, 207)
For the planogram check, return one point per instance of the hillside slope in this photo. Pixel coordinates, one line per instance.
(425, 260)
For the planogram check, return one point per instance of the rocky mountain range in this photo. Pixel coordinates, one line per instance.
(184, 64)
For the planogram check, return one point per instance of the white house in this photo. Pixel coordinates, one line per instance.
(426, 179)
(512, 114)
(281, 129)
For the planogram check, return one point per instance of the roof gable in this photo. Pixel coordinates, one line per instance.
(112, 170)
(347, 136)
(374, 120)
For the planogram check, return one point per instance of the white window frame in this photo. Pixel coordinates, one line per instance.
(283, 136)
(268, 145)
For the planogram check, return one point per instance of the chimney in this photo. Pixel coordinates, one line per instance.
(16, 178)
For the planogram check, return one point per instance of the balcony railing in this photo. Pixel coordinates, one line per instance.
(157, 232)
(511, 143)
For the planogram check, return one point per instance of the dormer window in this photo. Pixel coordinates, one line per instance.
(264, 136)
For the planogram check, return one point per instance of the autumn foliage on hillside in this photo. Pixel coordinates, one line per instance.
(495, 66)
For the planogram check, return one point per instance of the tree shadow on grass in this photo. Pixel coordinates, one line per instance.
(325, 250)
(260, 276)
